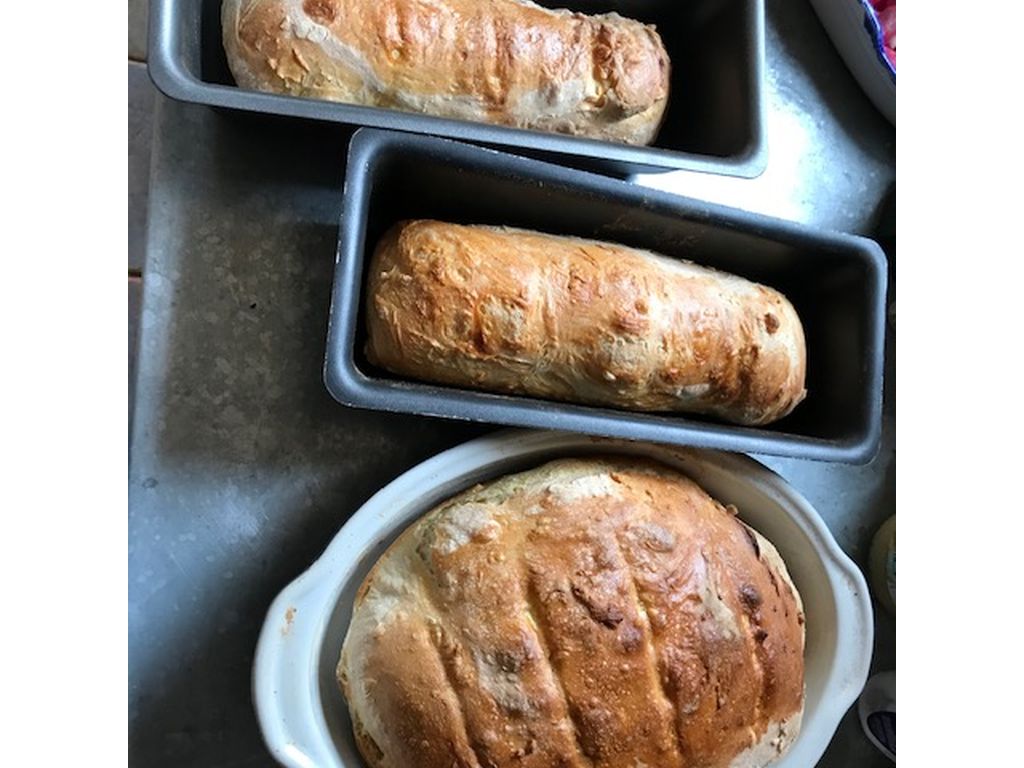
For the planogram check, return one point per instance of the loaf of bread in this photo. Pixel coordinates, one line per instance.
(508, 62)
(508, 310)
(592, 613)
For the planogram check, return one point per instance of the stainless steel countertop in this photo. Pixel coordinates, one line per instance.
(242, 468)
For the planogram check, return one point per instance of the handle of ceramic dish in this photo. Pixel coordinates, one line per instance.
(855, 631)
(286, 678)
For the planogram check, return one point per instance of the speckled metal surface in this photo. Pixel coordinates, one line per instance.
(138, 20)
(141, 98)
(243, 467)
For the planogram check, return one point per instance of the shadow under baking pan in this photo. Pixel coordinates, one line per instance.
(714, 121)
(836, 282)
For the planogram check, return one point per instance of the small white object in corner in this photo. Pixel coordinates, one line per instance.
(854, 37)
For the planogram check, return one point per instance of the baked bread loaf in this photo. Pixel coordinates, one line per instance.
(509, 62)
(578, 320)
(592, 613)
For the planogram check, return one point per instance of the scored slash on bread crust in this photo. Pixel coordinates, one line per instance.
(599, 613)
(508, 62)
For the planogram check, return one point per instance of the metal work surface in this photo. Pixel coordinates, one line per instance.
(242, 467)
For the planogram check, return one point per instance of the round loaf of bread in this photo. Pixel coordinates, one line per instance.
(593, 613)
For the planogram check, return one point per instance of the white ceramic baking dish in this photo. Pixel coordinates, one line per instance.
(303, 714)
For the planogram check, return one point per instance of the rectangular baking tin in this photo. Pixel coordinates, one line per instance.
(714, 123)
(837, 283)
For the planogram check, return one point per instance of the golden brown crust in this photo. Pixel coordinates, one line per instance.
(596, 613)
(578, 320)
(504, 61)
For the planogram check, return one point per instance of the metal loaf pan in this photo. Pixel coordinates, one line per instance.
(714, 123)
(836, 282)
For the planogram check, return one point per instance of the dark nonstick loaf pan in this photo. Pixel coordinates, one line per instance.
(714, 122)
(836, 282)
